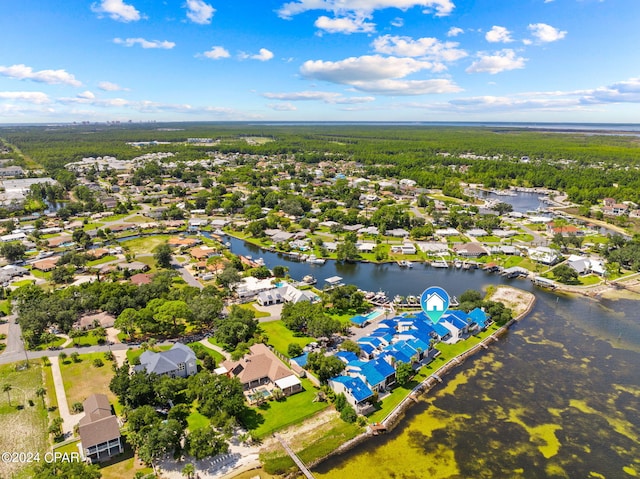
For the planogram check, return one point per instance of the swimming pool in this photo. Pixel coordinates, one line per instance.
(373, 314)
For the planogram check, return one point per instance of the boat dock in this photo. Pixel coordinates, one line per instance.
(295, 458)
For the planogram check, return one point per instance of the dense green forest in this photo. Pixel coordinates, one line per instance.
(587, 166)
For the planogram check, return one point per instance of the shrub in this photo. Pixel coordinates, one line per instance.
(348, 414)
(98, 363)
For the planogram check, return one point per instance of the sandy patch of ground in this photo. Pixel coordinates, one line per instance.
(515, 299)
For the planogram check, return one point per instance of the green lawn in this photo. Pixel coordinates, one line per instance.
(589, 279)
(145, 244)
(251, 307)
(5, 307)
(512, 261)
(52, 344)
(489, 239)
(23, 282)
(111, 218)
(280, 337)
(24, 425)
(526, 238)
(82, 379)
(195, 420)
(104, 259)
(292, 410)
(87, 340)
(92, 226)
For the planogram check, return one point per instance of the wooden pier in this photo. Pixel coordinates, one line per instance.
(295, 458)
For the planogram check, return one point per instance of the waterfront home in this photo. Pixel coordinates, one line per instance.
(285, 294)
(180, 360)
(377, 373)
(544, 255)
(480, 318)
(405, 248)
(586, 265)
(457, 324)
(99, 430)
(356, 392)
(260, 367)
(470, 250)
(249, 287)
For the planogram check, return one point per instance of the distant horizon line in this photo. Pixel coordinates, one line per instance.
(523, 124)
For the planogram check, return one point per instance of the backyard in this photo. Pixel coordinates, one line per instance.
(83, 378)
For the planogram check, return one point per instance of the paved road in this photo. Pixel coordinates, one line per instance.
(14, 336)
(6, 358)
(186, 275)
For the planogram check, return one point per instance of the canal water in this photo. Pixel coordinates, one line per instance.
(388, 277)
(557, 397)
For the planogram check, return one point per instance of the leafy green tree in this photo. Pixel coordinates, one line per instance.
(325, 367)
(565, 274)
(228, 276)
(347, 251)
(348, 414)
(205, 442)
(163, 254)
(404, 372)
(13, 251)
(294, 350)
(41, 393)
(66, 470)
(238, 327)
(7, 388)
(349, 345)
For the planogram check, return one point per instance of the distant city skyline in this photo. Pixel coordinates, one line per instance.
(320, 60)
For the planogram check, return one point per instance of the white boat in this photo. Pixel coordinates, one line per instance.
(439, 263)
(315, 260)
(457, 264)
(409, 264)
(309, 279)
(259, 262)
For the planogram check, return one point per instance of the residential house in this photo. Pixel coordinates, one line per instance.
(260, 367)
(405, 248)
(99, 430)
(285, 294)
(180, 360)
(544, 255)
(470, 250)
(356, 392)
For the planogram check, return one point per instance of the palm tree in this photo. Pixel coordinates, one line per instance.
(7, 389)
(41, 392)
(188, 471)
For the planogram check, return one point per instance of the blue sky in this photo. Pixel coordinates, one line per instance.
(320, 60)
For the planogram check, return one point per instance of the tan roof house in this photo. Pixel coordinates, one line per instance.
(99, 430)
(260, 367)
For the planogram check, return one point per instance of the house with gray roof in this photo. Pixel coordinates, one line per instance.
(180, 360)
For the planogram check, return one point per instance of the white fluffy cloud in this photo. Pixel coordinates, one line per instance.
(546, 33)
(52, 77)
(428, 48)
(282, 106)
(364, 68)
(288, 10)
(129, 42)
(263, 55)
(325, 96)
(347, 25)
(87, 95)
(36, 97)
(216, 53)
(117, 10)
(454, 31)
(110, 86)
(408, 87)
(378, 74)
(199, 12)
(498, 62)
(498, 34)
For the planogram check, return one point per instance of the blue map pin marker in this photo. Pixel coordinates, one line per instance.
(434, 302)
